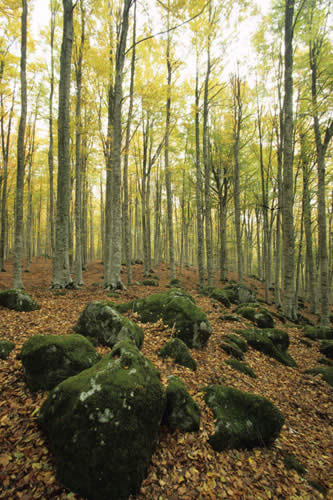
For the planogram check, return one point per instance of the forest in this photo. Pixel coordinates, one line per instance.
(166, 175)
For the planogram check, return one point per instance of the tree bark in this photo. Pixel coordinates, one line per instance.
(18, 245)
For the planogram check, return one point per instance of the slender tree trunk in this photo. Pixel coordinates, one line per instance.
(166, 162)
(18, 245)
(78, 279)
(62, 276)
(237, 129)
(198, 191)
(287, 209)
(50, 152)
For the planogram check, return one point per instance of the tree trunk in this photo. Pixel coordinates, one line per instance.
(18, 245)
(62, 276)
(287, 208)
(198, 191)
(237, 129)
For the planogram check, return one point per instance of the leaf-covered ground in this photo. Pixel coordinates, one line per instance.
(184, 465)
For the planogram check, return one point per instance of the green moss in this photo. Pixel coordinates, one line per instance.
(232, 349)
(239, 293)
(241, 367)
(244, 420)
(257, 314)
(177, 350)
(291, 462)
(182, 412)
(325, 371)
(50, 359)
(306, 343)
(104, 322)
(326, 348)
(178, 310)
(150, 282)
(231, 317)
(218, 294)
(6, 348)
(318, 332)
(102, 424)
(18, 300)
(241, 343)
(270, 343)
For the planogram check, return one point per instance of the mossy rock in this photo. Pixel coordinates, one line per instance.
(241, 367)
(178, 310)
(270, 343)
(232, 349)
(239, 341)
(306, 343)
(325, 371)
(6, 348)
(218, 294)
(318, 332)
(102, 425)
(259, 315)
(239, 293)
(177, 350)
(18, 300)
(49, 359)
(182, 412)
(244, 420)
(231, 317)
(326, 348)
(291, 463)
(175, 282)
(102, 321)
(150, 282)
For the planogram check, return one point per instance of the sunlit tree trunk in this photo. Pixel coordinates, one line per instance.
(287, 208)
(18, 245)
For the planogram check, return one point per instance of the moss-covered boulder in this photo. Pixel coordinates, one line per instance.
(218, 294)
(239, 293)
(177, 350)
(241, 367)
(178, 310)
(150, 282)
(236, 339)
(258, 314)
(182, 412)
(271, 342)
(102, 424)
(231, 317)
(244, 420)
(6, 348)
(318, 332)
(326, 348)
(325, 371)
(230, 348)
(49, 359)
(103, 322)
(18, 300)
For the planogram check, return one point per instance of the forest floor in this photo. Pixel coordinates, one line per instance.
(184, 465)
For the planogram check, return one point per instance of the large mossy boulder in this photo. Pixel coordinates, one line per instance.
(102, 424)
(257, 314)
(182, 412)
(101, 321)
(326, 348)
(18, 300)
(218, 294)
(318, 332)
(239, 293)
(49, 359)
(178, 310)
(270, 341)
(6, 348)
(244, 420)
(177, 350)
